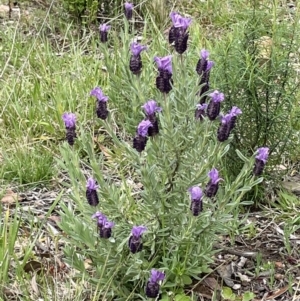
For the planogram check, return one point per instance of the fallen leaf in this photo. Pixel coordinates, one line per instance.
(211, 283)
(10, 197)
(32, 266)
(34, 285)
(278, 293)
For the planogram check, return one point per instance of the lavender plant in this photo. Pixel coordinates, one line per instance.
(169, 223)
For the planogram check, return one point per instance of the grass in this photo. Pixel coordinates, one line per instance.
(47, 69)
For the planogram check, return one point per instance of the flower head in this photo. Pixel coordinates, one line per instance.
(151, 107)
(91, 184)
(98, 93)
(128, 10)
(137, 231)
(104, 225)
(69, 120)
(156, 276)
(143, 127)
(214, 176)
(152, 287)
(195, 193)
(104, 27)
(164, 63)
(216, 96)
(262, 154)
(137, 48)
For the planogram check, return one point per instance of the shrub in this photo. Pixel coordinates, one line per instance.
(256, 70)
(164, 211)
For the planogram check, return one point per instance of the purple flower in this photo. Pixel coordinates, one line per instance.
(135, 241)
(91, 184)
(214, 176)
(101, 105)
(135, 64)
(213, 184)
(104, 28)
(213, 109)
(204, 54)
(70, 124)
(180, 21)
(178, 32)
(104, 225)
(262, 154)
(164, 63)
(260, 160)
(200, 111)
(228, 123)
(195, 193)
(164, 79)
(143, 127)
(69, 120)
(156, 276)
(196, 200)
(216, 96)
(151, 107)
(98, 215)
(137, 231)
(108, 224)
(235, 111)
(152, 287)
(91, 192)
(174, 17)
(128, 10)
(98, 93)
(210, 64)
(137, 48)
(204, 65)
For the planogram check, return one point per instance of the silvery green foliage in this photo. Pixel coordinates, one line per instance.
(152, 191)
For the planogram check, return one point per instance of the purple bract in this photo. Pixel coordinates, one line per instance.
(69, 120)
(104, 27)
(143, 127)
(151, 107)
(164, 63)
(137, 48)
(137, 231)
(235, 111)
(216, 96)
(180, 21)
(195, 193)
(156, 276)
(262, 154)
(97, 92)
(214, 176)
(91, 184)
(128, 6)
